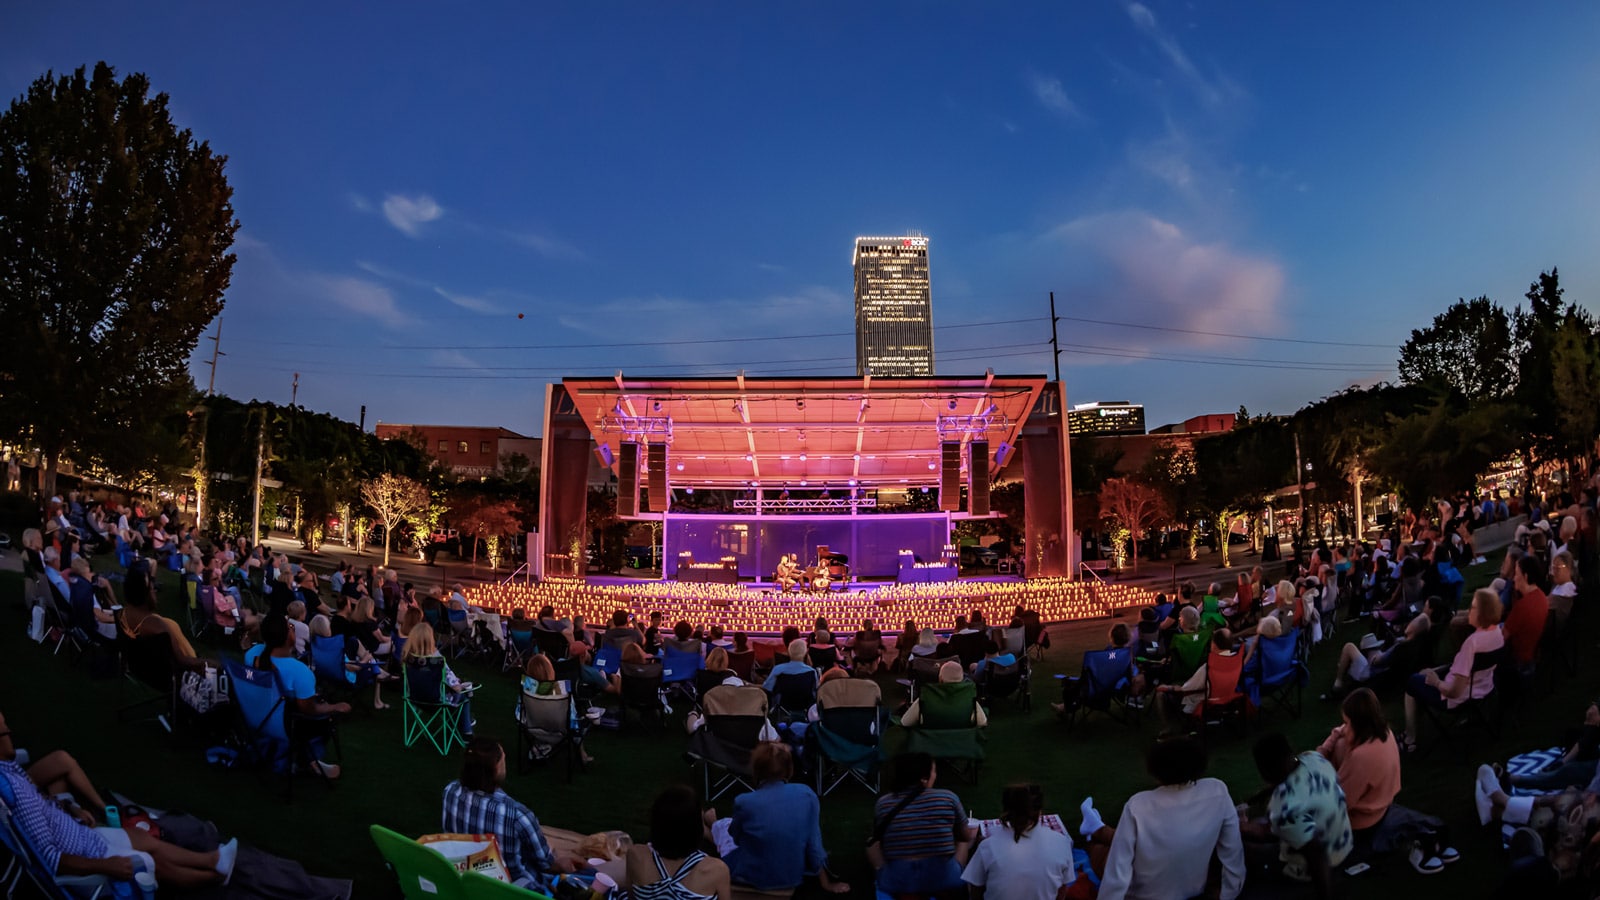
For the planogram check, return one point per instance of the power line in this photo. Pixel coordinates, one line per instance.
(1242, 337)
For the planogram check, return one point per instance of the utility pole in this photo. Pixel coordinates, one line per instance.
(261, 452)
(1055, 347)
(294, 392)
(216, 351)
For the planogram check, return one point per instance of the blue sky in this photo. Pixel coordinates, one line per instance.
(412, 177)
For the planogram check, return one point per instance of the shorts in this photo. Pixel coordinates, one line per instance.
(119, 844)
(1360, 669)
(925, 875)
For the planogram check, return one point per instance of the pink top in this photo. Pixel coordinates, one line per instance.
(1485, 640)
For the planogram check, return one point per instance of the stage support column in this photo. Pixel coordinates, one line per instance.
(1047, 491)
(564, 477)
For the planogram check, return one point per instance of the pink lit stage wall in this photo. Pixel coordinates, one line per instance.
(872, 541)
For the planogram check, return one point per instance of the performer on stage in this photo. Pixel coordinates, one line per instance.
(788, 573)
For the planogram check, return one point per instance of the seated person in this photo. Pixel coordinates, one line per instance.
(787, 574)
(549, 621)
(88, 615)
(773, 839)
(920, 839)
(927, 644)
(299, 685)
(1307, 822)
(539, 678)
(140, 619)
(1176, 703)
(1167, 837)
(358, 667)
(421, 647)
(992, 656)
(683, 640)
(1366, 758)
(622, 631)
(296, 614)
(949, 673)
(671, 865)
(795, 665)
(1184, 600)
(1576, 767)
(866, 651)
(1359, 664)
(715, 673)
(1020, 859)
(820, 635)
(477, 803)
(1449, 687)
(70, 846)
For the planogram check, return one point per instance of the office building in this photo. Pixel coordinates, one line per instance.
(894, 306)
(1111, 417)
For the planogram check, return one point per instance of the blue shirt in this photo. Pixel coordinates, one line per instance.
(791, 667)
(297, 680)
(778, 828)
(47, 827)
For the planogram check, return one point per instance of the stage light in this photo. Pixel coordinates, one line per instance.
(680, 467)
(688, 490)
(802, 482)
(852, 482)
(931, 465)
(749, 458)
(856, 457)
(800, 404)
(802, 457)
(656, 405)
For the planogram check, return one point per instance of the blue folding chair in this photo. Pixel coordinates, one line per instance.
(608, 660)
(25, 860)
(1278, 673)
(1104, 685)
(678, 667)
(329, 664)
(124, 553)
(259, 704)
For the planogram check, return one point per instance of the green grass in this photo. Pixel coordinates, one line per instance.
(50, 704)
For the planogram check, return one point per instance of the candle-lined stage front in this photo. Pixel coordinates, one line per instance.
(780, 500)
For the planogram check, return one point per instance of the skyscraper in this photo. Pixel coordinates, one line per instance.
(894, 306)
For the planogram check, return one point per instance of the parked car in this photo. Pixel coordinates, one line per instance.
(974, 555)
(643, 556)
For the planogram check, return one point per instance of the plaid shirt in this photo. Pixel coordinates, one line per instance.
(45, 826)
(527, 855)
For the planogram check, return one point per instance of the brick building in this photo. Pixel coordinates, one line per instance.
(467, 450)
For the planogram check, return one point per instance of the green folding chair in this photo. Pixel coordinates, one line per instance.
(482, 887)
(425, 712)
(1188, 652)
(423, 874)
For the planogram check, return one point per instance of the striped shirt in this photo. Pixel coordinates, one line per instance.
(926, 827)
(47, 827)
(527, 855)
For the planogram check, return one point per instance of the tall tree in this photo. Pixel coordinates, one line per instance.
(394, 499)
(1575, 387)
(114, 231)
(1468, 347)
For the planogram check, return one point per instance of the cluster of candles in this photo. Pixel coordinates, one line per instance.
(738, 608)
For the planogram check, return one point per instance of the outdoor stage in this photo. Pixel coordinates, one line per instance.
(868, 479)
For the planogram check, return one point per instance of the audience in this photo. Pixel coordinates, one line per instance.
(1458, 682)
(1019, 859)
(297, 682)
(476, 803)
(773, 839)
(920, 837)
(1306, 814)
(671, 865)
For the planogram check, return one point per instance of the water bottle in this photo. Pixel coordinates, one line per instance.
(113, 817)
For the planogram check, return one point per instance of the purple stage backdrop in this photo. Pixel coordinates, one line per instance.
(873, 542)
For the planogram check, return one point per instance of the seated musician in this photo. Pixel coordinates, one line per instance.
(788, 573)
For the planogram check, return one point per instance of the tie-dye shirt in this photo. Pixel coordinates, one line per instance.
(1309, 806)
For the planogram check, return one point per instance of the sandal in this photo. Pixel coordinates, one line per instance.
(326, 770)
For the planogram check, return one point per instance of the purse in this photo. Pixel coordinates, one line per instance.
(201, 691)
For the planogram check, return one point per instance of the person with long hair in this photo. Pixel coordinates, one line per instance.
(671, 865)
(1020, 859)
(421, 647)
(1367, 759)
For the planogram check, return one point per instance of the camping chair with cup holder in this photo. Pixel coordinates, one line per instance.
(422, 873)
(998, 682)
(947, 730)
(641, 690)
(847, 739)
(547, 724)
(735, 718)
(793, 695)
(426, 710)
(270, 733)
(1277, 673)
(27, 861)
(1104, 685)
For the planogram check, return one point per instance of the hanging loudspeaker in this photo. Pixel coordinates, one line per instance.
(950, 476)
(656, 484)
(628, 480)
(978, 478)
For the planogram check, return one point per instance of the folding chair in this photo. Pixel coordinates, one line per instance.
(519, 646)
(1224, 698)
(824, 656)
(678, 670)
(422, 873)
(997, 682)
(553, 644)
(1105, 684)
(1185, 653)
(551, 722)
(946, 731)
(866, 655)
(330, 665)
(25, 860)
(477, 886)
(793, 695)
(1455, 724)
(1278, 673)
(848, 735)
(734, 719)
(641, 689)
(58, 615)
(742, 664)
(458, 634)
(425, 711)
(149, 662)
(608, 660)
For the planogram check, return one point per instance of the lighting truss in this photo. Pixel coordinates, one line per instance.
(954, 428)
(636, 428)
(816, 504)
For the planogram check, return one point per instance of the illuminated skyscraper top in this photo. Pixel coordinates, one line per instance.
(894, 306)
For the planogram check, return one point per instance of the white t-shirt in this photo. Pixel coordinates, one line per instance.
(1034, 868)
(1164, 843)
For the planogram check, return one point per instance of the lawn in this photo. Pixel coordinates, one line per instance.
(51, 704)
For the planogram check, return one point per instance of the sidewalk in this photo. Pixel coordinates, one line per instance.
(435, 579)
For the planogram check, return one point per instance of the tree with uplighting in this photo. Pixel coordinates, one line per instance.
(1135, 507)
(394, 499)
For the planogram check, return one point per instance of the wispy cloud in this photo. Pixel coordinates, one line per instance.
(474, 304)
(409, 214)
(464, 301)
(1212, 90)
(547, 246)
(359, 202)
(1156, 271)
(367, 299)
(1052, 95)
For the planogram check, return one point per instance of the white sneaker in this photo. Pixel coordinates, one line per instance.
(1425, 865)
(1482, 796)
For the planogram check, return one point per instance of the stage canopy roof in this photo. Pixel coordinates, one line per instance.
(738, 432)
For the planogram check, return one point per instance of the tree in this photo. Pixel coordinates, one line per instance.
(1136, 506)
(1575, 385)
(394, 498)
(114, 232)
(1468, 347)
(486, 517)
